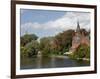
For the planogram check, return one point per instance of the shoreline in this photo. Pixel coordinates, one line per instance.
(85, 59)
(59, 56)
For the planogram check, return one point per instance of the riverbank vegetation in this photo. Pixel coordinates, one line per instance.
(82, 53)
(53, 45)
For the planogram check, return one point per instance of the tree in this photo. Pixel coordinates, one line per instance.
(30, 49)
(27, 38)
(23, 53)
(45, 45)
(64, 40)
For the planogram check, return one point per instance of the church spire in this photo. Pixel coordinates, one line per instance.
(78, 27)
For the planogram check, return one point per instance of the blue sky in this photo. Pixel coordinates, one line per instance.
(49, 23)
(40, 16)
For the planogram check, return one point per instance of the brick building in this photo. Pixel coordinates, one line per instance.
(79, 38)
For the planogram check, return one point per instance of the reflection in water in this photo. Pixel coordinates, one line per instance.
(50, 62)
(39, 58)
(39, 62)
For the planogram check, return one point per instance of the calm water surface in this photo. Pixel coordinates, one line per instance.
(50, 62)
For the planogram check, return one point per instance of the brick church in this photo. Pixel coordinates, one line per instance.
(79, 38)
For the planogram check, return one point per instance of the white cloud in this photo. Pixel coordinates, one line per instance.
(68, 21)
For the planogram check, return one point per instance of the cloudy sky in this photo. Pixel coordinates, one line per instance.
(49, 23)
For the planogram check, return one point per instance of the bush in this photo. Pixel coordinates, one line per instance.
(82, 52)
(23, 52)
(30, 49)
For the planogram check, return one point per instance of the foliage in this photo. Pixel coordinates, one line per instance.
(64, 40)
(45, 46)
(56, 45)
(23, 52)
(30, 49)
(82, 52)
(27, 38)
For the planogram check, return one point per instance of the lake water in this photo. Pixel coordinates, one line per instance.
(50, 62)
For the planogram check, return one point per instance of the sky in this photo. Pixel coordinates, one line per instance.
(46, 23)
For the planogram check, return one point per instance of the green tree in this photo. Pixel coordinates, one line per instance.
(64, 40)
(27, 38)
(23, 52)
(30, 49)
(45, 45)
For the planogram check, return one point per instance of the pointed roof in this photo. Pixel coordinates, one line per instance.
(78, 27)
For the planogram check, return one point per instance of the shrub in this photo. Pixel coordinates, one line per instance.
(82, 51)
(30, 49)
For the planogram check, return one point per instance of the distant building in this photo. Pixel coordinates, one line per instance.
(79, 38)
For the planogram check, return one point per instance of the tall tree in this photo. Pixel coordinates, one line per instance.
(64, 39)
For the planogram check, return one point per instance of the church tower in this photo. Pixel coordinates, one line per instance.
(78, 39)
(78, 30)
(78, 27)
